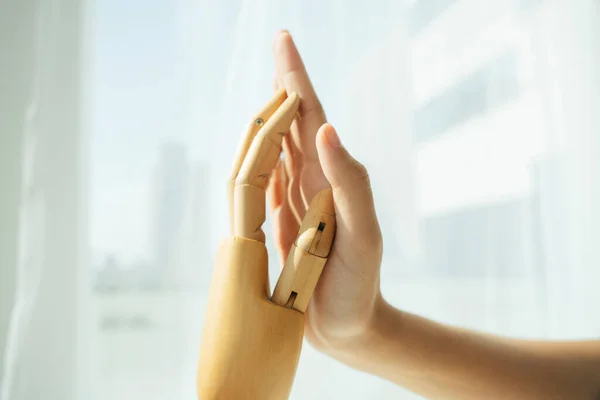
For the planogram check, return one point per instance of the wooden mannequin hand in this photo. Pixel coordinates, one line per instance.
(348, 294)
(250, 346)
(251, 341)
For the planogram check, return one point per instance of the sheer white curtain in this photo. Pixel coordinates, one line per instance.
(477, 121)
(44, 189)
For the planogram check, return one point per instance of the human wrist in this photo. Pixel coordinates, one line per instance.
(364, 350)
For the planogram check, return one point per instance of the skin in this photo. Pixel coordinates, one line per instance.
(349, 319)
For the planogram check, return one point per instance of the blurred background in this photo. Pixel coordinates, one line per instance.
(478, 122)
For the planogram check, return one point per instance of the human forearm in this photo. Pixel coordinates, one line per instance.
(444, 362)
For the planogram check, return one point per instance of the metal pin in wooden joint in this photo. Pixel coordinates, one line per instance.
(308, 255)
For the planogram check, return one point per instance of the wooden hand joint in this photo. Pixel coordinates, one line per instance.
(256, 158)
(308, 254)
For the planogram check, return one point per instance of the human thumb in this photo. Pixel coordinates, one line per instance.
(352, 194)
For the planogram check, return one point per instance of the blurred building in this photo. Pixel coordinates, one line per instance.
(456, 137)
(146, 331)
(180, 231)
(168, 196)
(191, 266)
(112, 275)
(478, 125)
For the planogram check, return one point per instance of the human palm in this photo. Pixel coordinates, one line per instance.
(347, 295)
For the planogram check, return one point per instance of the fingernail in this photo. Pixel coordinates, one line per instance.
(282, 33)
(277, 42)
(332, 137)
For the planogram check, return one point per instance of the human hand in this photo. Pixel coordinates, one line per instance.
(347, 317)
(347, 297)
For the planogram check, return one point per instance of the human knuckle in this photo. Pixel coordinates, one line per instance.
(362, 173)
(314, 108)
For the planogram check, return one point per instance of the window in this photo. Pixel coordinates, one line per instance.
(422, 13)
(488, 87)
(478, 241)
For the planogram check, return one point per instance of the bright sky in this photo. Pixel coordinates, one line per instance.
(162, 72)
(193, 71)
(140, 94)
